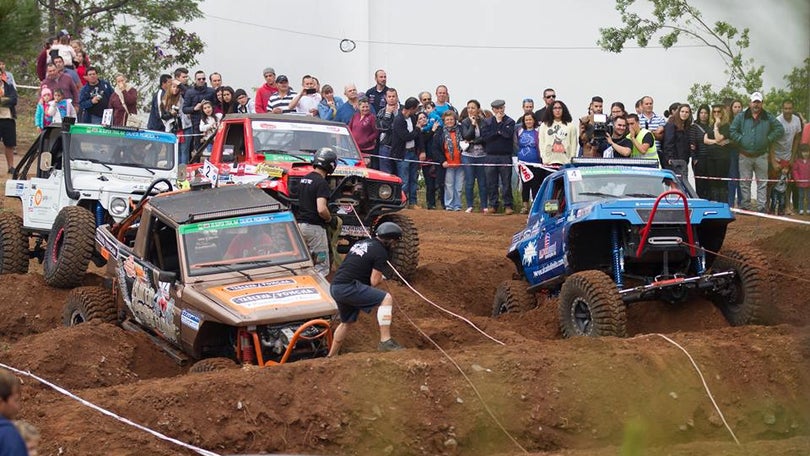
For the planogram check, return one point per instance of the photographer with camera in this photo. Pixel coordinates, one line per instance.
(616, 142)
(586, 128)
(94, 97)
(307, 100)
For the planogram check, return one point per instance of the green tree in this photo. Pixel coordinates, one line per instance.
(670, 20)
(19, 33)
(138, 38)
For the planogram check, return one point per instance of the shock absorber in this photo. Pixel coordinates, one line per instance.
(247, 346)
(617, 256)
(99, 214)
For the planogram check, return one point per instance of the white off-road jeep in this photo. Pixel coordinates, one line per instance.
(73, 179)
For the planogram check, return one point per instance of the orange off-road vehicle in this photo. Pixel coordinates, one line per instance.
(218, 276)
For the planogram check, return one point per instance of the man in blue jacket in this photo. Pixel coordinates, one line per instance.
(11, 443)
(755, 130)
(497, 133)
(94, 97)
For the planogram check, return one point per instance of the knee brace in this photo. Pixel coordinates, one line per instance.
(384, 315)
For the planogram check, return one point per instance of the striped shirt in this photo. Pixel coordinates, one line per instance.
(652, 124)
(277, 101)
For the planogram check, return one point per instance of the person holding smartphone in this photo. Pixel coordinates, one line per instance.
(306, 102)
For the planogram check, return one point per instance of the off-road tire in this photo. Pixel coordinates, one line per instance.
(405, 255)
(14, 256)
(89, 304)
(590, 305)
(751, 289)
(70, 246)
(513, 296)
(211, 365)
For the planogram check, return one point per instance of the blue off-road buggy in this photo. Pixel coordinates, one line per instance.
(606, 233)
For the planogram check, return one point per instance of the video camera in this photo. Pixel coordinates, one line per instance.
(601, 130)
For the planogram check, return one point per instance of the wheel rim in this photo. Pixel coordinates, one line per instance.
(57, 244)
(76, 318)
(581, 316)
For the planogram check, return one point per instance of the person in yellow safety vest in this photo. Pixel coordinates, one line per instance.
(642, 139)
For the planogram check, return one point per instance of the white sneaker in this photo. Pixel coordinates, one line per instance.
(469, 210)
(801, 212)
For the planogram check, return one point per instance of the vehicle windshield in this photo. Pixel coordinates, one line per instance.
(241, 243)
(302, 140)
(123, 148)
(591, 186)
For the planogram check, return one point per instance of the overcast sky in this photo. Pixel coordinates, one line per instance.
(485, 49)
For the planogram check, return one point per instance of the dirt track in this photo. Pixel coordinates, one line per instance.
(553, 396)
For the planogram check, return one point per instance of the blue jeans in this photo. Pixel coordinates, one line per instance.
(734, 185)
(185, 146)
(453, 183)
(499, 178)
(409, 173)
(471, 173)
(385, 165)
(750, 167)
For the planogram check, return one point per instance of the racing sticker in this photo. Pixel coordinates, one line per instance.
(292, 291)
(574, 175)
(148, 299)
(190, 319)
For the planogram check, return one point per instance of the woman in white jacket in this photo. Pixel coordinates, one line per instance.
(558, 135)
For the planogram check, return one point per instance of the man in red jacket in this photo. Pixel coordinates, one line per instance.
(267, 89)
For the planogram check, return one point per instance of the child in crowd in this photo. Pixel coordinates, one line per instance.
(432, 116)
(11, 442)
(42, 119)
(208, 125)
(60, 107)
(780, 189)
(30, 434)
(801, 174)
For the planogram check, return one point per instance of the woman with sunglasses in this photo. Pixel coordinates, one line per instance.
(718, 157)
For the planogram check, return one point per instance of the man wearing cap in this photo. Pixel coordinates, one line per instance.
(405, 132)
(755, 130)
(267, 89)
(279, 102)
(244, 105)
(497, 133)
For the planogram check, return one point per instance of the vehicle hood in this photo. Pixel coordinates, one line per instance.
(269, 301)
(637, 210)
(117, 182)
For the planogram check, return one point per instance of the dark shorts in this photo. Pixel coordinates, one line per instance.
(353, 297)
(8, 132)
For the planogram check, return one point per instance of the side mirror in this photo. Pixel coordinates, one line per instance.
(167, 276)
(45, 159)
(551, 207)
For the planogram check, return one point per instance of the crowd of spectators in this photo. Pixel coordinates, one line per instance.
(409, 136)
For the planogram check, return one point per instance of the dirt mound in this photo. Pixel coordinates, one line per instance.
(572, 397)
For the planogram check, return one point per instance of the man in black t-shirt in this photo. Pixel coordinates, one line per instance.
(313, 213)
(354, 282)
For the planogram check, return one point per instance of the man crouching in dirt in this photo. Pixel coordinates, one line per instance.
(11, 443)
(353, 286)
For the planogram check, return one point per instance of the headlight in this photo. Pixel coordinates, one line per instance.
(118, 206)
(385, 191)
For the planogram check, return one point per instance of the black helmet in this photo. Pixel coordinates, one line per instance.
(326, 159)
(389, 230)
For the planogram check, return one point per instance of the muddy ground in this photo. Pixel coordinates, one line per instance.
(523, 388)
